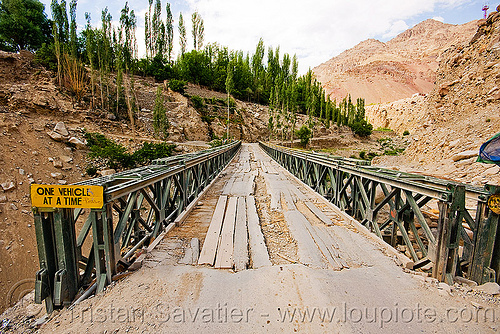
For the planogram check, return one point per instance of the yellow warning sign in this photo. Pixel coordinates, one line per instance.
(494, 203)
(57, 196)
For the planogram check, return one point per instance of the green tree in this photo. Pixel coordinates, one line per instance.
(72, 28)
(198, 31)
(157, 33)
(169, 33)
(23, 25)
(160, 122)
(304, 134)
(229, 88)
(182, 34)
(148, 31)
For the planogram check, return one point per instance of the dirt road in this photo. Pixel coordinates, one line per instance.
(322, 276)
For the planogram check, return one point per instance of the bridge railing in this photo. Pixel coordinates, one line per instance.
(456, 238)
(81, 249)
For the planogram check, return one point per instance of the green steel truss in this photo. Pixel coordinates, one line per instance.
(138, 205)
(461, 240)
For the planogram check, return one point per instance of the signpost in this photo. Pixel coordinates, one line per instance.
(58, 196)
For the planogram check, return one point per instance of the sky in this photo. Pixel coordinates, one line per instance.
(314, 30)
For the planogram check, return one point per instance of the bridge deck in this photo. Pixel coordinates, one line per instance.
(304, 269)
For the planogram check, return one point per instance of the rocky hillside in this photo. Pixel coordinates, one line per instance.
(448, 126)
(41, 135)
(384, 72)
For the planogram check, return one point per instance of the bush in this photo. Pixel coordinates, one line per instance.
(178, 86)
(218, 142)
(362, 128)
(116, 155)
(91, 170)
(151, 151)
(198, 102)
(304, 134)
(406, 133)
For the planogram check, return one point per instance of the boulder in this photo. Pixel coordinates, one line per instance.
(464, 155)
(77, 142)
(3, 199)
(9, 185)
(58, 163)
(65, 158)
(491, 288)
(107, 172)
(60, 128)
(57, 176)
(55, 136)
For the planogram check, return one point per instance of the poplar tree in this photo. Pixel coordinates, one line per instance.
(160, 122)
(90, 46)
(229, 88)
(147, 31)
(182, 34)
(156, 30)
(169, 30)
(198, 31)
(72, 28)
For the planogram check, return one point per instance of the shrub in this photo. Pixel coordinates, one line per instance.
(91, 170)
(304, 134)
(362, 155)
(178, 86)
(151, 151)
(406, 133)
(116, 155)
(198, 102)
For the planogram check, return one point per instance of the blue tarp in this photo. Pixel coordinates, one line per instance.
(490, 151)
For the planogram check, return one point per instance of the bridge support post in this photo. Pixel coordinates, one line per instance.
(57, 280)
(445, 253)
(104, 247)
(485, 266)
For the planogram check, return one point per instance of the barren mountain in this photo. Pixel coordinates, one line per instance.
(385, 72)
(447, 127)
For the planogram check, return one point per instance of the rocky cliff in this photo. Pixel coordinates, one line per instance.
(459, 114)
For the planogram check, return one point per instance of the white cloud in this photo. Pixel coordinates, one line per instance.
(438, 18)
(315, 30)
(396, 28)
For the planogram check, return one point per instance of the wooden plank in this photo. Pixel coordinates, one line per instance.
(207, 255)
(318, 213)
(224, 257)
(263, 166)
(307, 249)
(227, 188)
(241, 258)
(159, 238)
(258, 249)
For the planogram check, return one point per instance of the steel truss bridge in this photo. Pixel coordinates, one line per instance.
(463, 241)
(138, 205)
(81, 250)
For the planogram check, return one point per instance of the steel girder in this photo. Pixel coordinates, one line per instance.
(138, 205)
(390, 204)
